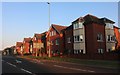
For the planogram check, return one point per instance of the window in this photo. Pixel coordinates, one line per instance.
(75, 51)
(108, 38)
(119, 30)
(68, 40)
(81, 37)
(81, 51)
(111, 38)
(78, 51)
(99, 37)
(100, 51)
(57, 42)
(50, 34)
(51, 42)
(78, 38)
(78, 25)
(109, 50)
(54, 32)
(109, 25)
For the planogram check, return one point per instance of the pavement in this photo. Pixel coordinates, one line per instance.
(11, 64)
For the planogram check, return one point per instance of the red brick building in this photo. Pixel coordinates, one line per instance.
(26, 45)
(87, 37)
(56, 44)
(117, 35)
(19, 47)
(39, 44)
(69, 40)
(94, 35)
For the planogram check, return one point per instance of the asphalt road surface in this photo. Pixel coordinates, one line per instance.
(12, 64)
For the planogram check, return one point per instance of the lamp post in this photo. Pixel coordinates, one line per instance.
(49, 52)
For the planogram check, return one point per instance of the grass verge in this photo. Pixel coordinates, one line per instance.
(97, 63)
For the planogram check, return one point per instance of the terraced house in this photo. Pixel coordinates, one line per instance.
(26, 45)
(38, 45)
(86, 37)
(19, 47)
(55, 40)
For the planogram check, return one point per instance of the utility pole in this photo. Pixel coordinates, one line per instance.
(49, 52)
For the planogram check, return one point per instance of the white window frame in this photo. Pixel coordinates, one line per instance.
(77, 38)
(77, 25)
(99, 37)
(111, 38)
(81, 37)
(56, 42)
(68, 40)
(100, 51)
(109, 50)
(81, 51)
(76, 52)
(109, 25)
(80, 25)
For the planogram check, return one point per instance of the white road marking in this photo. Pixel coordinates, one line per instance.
(18, 61)
(11, 64)
(73, 68)
(27, 71)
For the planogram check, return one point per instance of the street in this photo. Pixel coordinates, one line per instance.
(12, 64)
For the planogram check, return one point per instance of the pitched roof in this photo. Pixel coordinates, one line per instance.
(38, 36)
(107, 20)
(69, 27)
(80, 19)
(27, 39)
(90, 18)
(116, 27)
(58, 28)
(18, 44)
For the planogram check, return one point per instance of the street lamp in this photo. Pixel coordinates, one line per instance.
(49, 53)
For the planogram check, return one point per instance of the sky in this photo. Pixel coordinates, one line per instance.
(23, 19)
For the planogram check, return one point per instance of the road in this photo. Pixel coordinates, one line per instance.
(12, 64)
